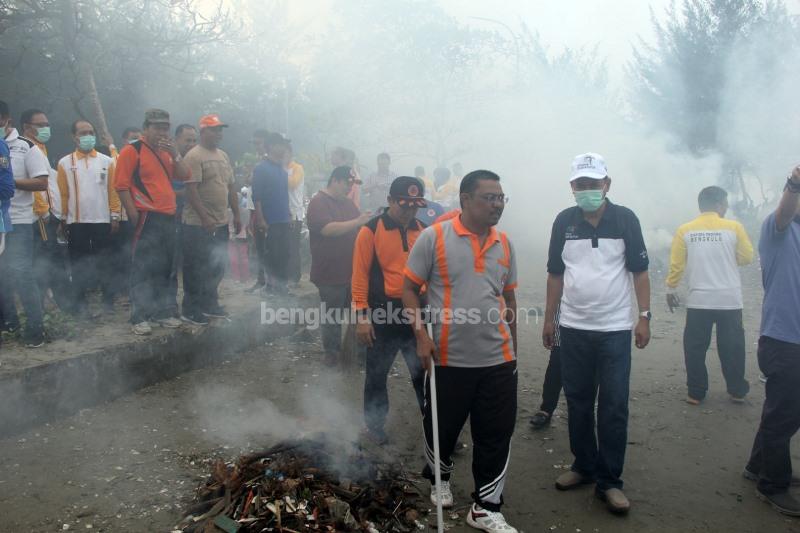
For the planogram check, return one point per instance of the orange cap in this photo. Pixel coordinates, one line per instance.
(211, 121)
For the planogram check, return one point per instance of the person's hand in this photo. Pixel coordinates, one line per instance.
(642, 333)
(673, 301)
(165, 143)
(364, 218)
(114, 226)
(365, 333)
(796, 174)
(237, 224)
(107, 139)
(261, 226)
(208, 225)
(426, 350)
(549, 335)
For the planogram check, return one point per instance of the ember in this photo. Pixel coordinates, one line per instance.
(306, 485)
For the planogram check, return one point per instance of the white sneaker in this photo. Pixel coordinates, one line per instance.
(142, 328)
(169, 322)
(488, 521)
(447, 494)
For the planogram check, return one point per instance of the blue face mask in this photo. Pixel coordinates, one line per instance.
(590, 200)
(43, 134)
(86, 142)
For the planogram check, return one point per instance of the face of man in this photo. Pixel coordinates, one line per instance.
(383, 165)
(401, 214)
(277, 153)
(211, 137)
(82, 129)
(485, 204)
(186, 140)
(155, 132)
(31, 130)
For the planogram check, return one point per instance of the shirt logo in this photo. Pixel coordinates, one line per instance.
(570, 234)
(431, 212)
(5, 162)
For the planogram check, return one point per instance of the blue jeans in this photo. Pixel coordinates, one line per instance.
(18, 277)
(597, 365)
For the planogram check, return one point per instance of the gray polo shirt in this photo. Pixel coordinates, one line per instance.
(780, 272)
(465, 286)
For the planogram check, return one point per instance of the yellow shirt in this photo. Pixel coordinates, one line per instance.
(41, 199)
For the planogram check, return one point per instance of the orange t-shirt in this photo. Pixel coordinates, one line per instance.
(152, 191)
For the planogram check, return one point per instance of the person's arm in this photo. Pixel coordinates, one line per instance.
(63, 191)
(787, 208)
(641, 285)
(555, 287)
(744, 248)
(335, 229)
(363, 253)
(677, 265)
(193, 197)
(129, 205)
(38, 168)
(510, 298)
(417, 273)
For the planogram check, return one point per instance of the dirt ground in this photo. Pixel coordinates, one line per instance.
(131, 465)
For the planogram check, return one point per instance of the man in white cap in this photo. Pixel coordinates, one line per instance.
(597, 256)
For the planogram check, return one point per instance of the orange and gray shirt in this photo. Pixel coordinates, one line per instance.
(466, 283)
(379, 257)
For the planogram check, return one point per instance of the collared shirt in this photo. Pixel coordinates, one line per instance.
(331, 256)
(27, 162)
(780, 273)
(147, 174)
(86, 188)
(6, 187)
(465, 285)
(597, 264)
(213, 173)
(710, 249)
(271, 188)
(380, 255)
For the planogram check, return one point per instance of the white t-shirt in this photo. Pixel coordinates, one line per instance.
(27, 162)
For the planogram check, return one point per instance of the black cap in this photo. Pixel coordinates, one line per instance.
(275, 139)
(408, 191)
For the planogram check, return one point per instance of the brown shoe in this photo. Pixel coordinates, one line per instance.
(570, 480)
(615, 500)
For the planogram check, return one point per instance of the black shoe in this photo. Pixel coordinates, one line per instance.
(783, 502)
(35, 340)
(752, 476)
(254, 288)
(216, 312)
(541, 419)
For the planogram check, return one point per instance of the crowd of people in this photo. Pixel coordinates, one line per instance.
(402, 254)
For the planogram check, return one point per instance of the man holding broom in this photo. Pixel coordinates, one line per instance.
(469, 270)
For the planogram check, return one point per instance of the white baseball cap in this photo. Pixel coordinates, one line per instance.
(588, 165)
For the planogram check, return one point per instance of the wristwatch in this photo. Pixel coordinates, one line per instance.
(647, 315)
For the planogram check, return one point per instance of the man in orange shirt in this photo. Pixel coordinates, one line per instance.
(143, 175)
(380, 255)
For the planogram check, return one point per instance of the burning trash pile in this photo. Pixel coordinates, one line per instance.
(301, 486)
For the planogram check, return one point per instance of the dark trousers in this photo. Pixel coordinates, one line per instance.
(204, 257)
(488, 396)
(551, 389)
(294, 267)
(260, 241)
(334, 297)
(120, 252)
(780, 419)
(90, 255)
(389, 338)
(596, 365)
(17, 277)
(51, 265)
(277, 251)
(153, 246)
(177, 264)
(730, 345)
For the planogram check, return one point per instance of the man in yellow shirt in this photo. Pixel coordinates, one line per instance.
(297, 209)
(710, 249)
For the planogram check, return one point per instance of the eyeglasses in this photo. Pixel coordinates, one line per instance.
(494, 198)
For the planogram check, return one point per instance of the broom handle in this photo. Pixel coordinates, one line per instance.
(437, 471)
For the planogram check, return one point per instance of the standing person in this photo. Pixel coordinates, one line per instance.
(446, 192)
(551, 388)
(376, 185)
(380, 255)
(90, 213)
(237, 247)
(710, 250)
(143, 177)
(185, 140)
(419, 173)
(297, 210)
(259, 238)
(31, 173)
(50, 264)
(209, 193)
(344, 157)
(468, 266)
(271, 198)
(779, 352)
(597, 258)
(333, 222)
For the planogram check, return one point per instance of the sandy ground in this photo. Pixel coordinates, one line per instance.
(131, 465)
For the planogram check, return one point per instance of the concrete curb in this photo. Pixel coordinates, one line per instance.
(61, 388)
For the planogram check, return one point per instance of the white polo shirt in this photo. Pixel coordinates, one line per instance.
(85, 183)
(27, 162)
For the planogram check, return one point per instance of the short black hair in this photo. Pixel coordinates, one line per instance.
(343, 173)
(74, 127)
(711, 197)
(27, 116)
(384, 155)
(419, 171)
(182, 127)
(4, 111)
(130, 129)
(470, 182)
